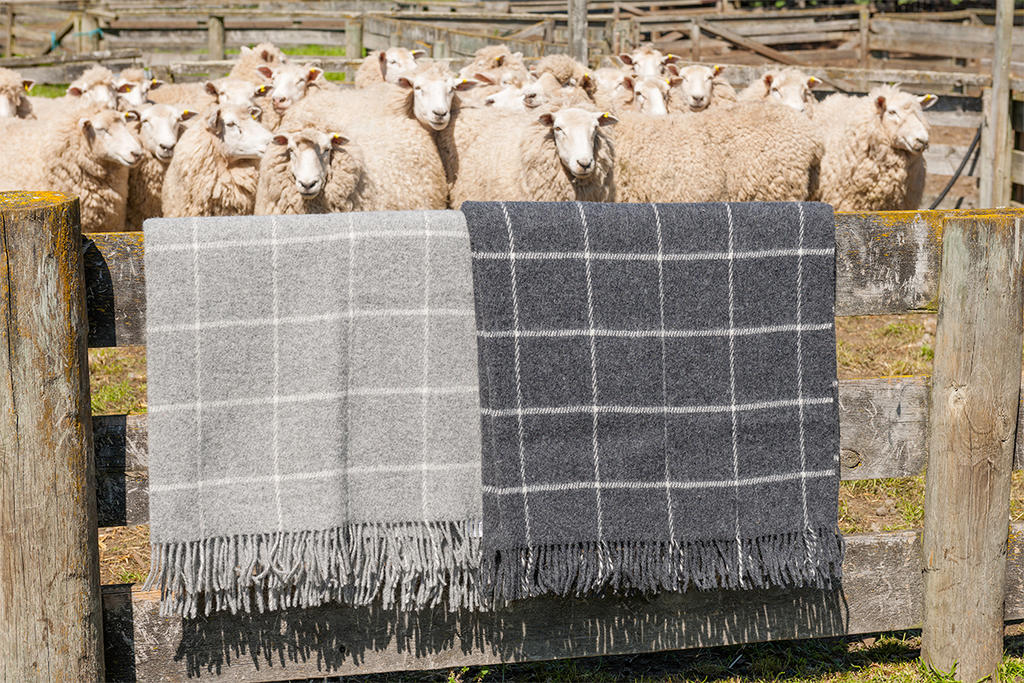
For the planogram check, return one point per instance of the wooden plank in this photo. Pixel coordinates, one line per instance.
(578, 47)
(944, 159)
(1017, 166)
(973, 426)
(49, 563)
(999, 112)
(122, 469)
(215, 37)
(881, 591)
(115, 288)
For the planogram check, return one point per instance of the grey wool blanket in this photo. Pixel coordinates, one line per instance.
(314, 426)
(659, 396)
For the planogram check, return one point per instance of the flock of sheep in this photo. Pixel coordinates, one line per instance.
(276, 137)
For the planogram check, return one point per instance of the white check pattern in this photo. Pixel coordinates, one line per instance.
(682, 352)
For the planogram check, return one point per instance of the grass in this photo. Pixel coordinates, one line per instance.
(49, 90)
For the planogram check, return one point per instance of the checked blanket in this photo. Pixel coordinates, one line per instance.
(659, 396)
(314, 428)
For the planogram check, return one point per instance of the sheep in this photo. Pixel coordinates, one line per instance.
(698, 88)
(632, 93)
(133, 87)
(311, 168)
(746, 152)
(493, 61)
(288, 84)
(874, 150)
(567, 71)
(215, 165)
(386, 66)
(251, 59)
(84, 151)
(14, 101)
(201, 96)
(648, 61)
(789, 86)
(399, 155)
(95, 85)
(560, 155)
(160, 126)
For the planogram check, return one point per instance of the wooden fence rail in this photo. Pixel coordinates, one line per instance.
(886, 263)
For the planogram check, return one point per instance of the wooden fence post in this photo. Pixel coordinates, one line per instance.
(215, 37)
(90, 33)
(694, 42)
(998, 120)
(354, 38)
(973, 423)
(864, 51)
(578, 30)
(50, 619)
(9, 32)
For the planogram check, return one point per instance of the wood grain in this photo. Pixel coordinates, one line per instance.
(49, 564)
(973, 425)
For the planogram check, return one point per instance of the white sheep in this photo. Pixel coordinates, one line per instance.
(647, 61)
(632, 93)
(386, 66)
(745, 152)
(94, 86)
(494, 61)
(288, 83)
(246, 67)
(567, 71)
(160, 126)
(133, 87)
(874, 150)
(788, 86)
(310, 167)
(698, 88)
(202, 95)
(85, 151)
(560, 155)
(215, 165)
(14, 100)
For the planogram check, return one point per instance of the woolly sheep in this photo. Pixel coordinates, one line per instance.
(632, 93)
(14, 101)
(85, 151)
(251, 59)
(398, 151)
(432, 89)
(201, 96)
(288, 84)
(789, 86)
(648, 61)
(560, 155)
(873, 150)
(160, 126)
(386, 66)
(493, 61)
(698, 88)
(215, 165)
(567, 71)
(700, 158)
(94, 86)
(310, 168)
(133, 87)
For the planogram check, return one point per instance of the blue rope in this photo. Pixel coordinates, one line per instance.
(94, 32)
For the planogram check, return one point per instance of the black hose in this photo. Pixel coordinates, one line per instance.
(959, 170)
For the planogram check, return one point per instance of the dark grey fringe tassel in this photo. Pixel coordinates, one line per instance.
(812, 557)
(408, 566)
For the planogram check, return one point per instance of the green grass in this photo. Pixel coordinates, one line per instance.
(49, 90)
(131, 577)
(315, 51)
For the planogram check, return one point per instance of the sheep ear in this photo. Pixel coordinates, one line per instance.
(417, 54)
(606, 119)
(670, 59)
(499, 60)
(125, 87)
(213, 120)
(87, 129)
(880, 103)
(586, 82)
(27, 84)
(483, 78)
(813, 82)
(547, 118)
(768, 78)
(265, 71)
(404, 83)
(314, 73)
(186, 114)
(337, 140)
(672, 69)
(131, 115)
(75, 91)
(629, 82)
(265, 56)
(927, 100)
(718, 68)
(261, 90)
(280, 139)
(673, 82)
(465, 84)
(155, 83)
(211, 88)
(626, 59)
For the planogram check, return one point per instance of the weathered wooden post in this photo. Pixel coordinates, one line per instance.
(215, 37)
(50, 619)
(864, 29)
(694, 42)
(354, 38)
(973, 423)
(578, 30)
(90, 32)
(9, 32)
(997, 144)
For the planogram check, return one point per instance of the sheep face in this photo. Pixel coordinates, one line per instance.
(12, 98)
(289, 83)
(396, 62)
(902, 119)
(133, 91)
(160, 128)
(575, 132)
(110, 139)
(238, 128)
(309, 158)
(647, 62)
(235, 92)
(433, 91)
(791, 88)
(102, 94)
(650, 94)
(696, 85)
(509, 98)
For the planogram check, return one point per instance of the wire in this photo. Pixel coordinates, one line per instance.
(959, 170)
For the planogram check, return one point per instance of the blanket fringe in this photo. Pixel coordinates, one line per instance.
(408, 566)
(812, 557)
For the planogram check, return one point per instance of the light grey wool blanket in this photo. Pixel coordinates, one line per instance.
(314, 428)
(658, 390)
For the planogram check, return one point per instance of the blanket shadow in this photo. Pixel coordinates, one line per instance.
(334, 640)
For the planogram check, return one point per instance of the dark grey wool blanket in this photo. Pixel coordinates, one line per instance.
(314, 428)
(659, 396)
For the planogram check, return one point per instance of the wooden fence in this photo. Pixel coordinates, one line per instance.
(62, 294)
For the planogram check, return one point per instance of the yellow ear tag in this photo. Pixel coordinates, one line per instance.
(185, 112)
(25, 87)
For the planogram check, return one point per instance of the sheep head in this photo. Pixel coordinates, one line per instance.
(696, 84)
(309, 157)
(650, 94)
(289, 82)
(239, 130)
(396, 62)
(433, 90)
(160, 127)
(790, 87)
(14, 89)
(575, 132)
(647, 61)
(132, 87)
(235, 91)
(901, 117)
(109, 138)
(96, 86)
